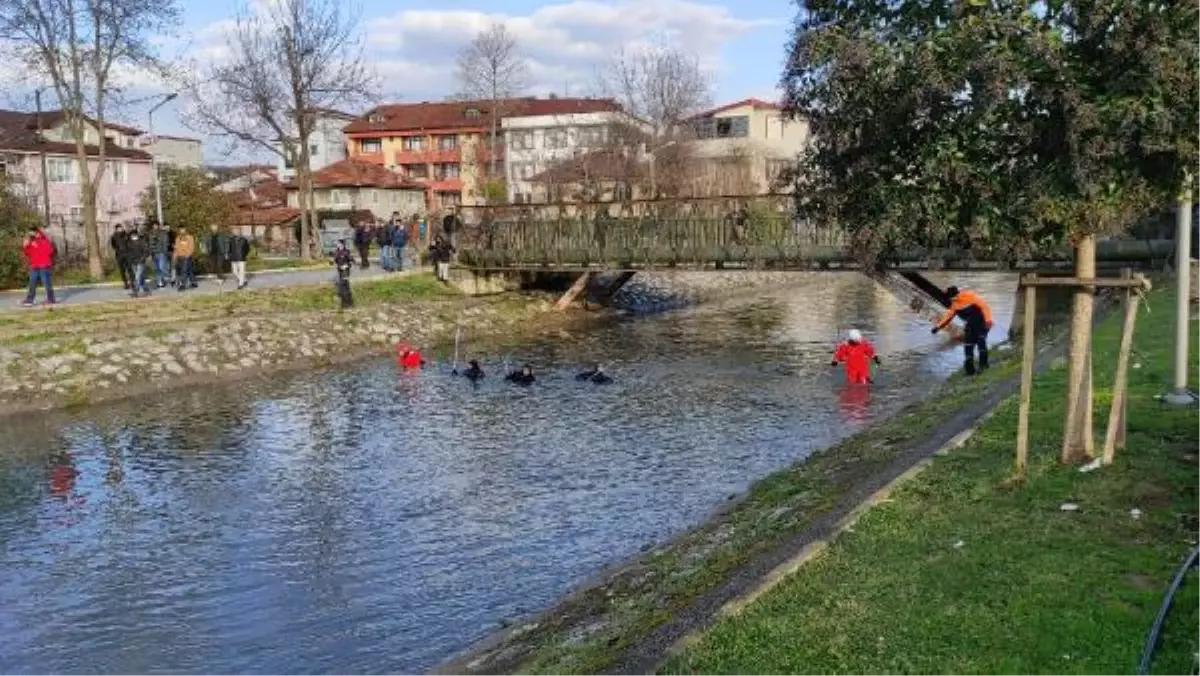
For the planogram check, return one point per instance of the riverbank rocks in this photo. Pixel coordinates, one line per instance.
(67, 369)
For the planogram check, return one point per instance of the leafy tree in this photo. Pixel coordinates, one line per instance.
(998, 125)
(189, 201)
(16, 218)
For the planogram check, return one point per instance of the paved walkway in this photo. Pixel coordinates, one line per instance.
(10, 301)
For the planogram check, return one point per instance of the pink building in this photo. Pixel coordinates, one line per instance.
(128, 172)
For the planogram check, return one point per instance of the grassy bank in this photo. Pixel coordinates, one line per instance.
(960, 572)
(131, 315)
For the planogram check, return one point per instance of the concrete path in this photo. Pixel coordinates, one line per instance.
(10, 301)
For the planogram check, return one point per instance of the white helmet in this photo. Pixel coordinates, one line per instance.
(854, 336)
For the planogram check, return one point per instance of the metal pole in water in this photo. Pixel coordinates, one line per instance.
(457, 335)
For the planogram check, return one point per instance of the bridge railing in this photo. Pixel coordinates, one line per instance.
(643, 233)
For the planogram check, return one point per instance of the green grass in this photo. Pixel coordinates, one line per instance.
(124, 317)
(1031, 588)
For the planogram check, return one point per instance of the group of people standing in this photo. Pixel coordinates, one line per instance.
(395, 237)
(173, 253)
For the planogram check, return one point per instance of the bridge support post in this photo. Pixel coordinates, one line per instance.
(912, 294)
(615, 285)
(573, 292)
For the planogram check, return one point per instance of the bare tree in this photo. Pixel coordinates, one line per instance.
(77, 46)
(661, 85)
(493, 68)
(287, 60)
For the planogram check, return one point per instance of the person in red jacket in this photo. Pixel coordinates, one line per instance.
(409, 357)
(39, 253)
(856, 353)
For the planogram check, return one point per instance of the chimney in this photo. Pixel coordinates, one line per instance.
(552, 96)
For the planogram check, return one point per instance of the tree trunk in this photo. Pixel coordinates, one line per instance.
(303, 180)
(91, 234)
(1077, 433)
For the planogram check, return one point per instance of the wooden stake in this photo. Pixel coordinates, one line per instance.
(1120, 385)
(1028, 350)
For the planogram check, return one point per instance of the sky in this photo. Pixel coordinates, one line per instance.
(413, 45)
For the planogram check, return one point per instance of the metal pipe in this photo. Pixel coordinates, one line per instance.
(1183, 291)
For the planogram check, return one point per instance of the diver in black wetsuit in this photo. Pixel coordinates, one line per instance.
(596, 375)
(522, 377)
(473, 372)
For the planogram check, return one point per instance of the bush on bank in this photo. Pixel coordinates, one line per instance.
(960, 572)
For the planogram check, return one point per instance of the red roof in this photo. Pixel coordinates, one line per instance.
(454, 114)
(268, 193)
(268, 216)
(18, 131)
(753, 103)
(355, 173)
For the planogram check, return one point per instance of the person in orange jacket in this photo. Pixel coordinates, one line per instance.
(977, 320)
(856, 353)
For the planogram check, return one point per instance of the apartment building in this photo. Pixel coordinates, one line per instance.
(174, 151)
(327, 146)
(359, 185)
(127, 172)
(548, 132)
(745, 145)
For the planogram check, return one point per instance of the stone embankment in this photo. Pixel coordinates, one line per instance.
(75, 370)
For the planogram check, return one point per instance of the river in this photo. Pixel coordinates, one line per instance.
(358, 520)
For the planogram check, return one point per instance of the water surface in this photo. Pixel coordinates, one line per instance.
(358, 520)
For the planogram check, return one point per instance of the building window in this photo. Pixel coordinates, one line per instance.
(118, 172)
(374, 197)
(522, 140)
(417, 171)
(375, 118)
(339, 198)
(447, 171)
(450, 199)
(591, 137)
(61, 169)
(556, 138)
(449, 142)
(776, 169)
(472, 112)
(414, 143)
(370, 145)
(314, 150)
(76, 214)
(523, 171)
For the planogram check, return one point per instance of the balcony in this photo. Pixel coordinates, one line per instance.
(373, 158)
(428, 156)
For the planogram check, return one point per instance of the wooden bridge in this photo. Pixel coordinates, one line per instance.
(714, 233)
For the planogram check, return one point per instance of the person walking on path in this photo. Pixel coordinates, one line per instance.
(185, 249)
(343, 262)
(218, 252)
(39, 254)
(239, 251)
(440, 252)
(977, 319)
(362, 242)
(137, 250)
(119, 241)
(160, 250)
(399, 241)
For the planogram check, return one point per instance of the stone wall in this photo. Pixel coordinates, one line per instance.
(79, 370)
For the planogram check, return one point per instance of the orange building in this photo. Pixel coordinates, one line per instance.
(445, 146)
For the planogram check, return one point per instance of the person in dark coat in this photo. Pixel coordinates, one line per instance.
(596, 375)
(137, 250)
(160, 250)
(343, 261)
(384, 239)
(473, 372)
(440, 252)
(239, 251)
(362, 243)
(119, 242)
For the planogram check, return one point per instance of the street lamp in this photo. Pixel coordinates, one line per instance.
(154, 158)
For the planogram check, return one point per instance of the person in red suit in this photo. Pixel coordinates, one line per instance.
(409, 358)
(856, 354)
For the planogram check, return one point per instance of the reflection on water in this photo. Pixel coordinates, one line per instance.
(360, 519)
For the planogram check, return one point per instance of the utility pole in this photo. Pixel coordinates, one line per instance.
(37, 96)
(154, 158)
(1183, 290)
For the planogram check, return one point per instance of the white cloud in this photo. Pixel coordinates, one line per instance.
(415, 51)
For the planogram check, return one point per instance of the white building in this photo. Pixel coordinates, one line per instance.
(326, 146)
(756, 134)
(546, 132)
(175, 151)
